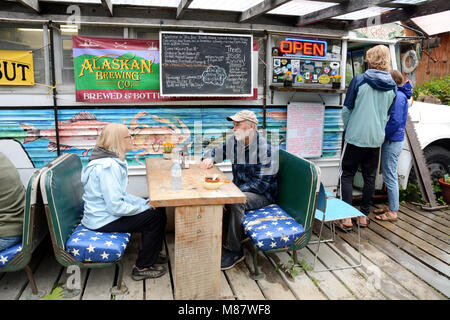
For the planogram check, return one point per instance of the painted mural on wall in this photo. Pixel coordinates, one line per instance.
(150, 138)
(150, 128)
(78, 132)
(79, 129)
(386, 31)
(332, 132)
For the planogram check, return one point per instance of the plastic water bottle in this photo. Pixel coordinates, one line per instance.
(176, 175)
(185, 157)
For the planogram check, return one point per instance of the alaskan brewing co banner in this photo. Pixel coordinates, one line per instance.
(116, 70)
(16, 68)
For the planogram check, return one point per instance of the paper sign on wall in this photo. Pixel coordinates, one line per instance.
(16, 68)
(305, 122)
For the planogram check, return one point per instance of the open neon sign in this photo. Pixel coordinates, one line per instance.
(304, 48)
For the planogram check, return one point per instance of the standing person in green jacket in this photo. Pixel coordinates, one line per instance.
(367, 106)
(12, 204)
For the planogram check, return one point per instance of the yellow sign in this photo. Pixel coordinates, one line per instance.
(324, 79)
(16, 68)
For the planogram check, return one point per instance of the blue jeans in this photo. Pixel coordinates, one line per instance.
(390, 151)
(7, 242)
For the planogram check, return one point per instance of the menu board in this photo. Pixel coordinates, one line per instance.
(205, 64)
(304, 135)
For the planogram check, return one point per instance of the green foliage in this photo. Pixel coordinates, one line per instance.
(440, 200)
(57, 294)
(439, 88)
(411, 193)
(438, 191)
(447, 178)
(293, 269)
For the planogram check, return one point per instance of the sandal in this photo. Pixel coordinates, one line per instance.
(388, 216)
(381, 211)
(364, 225)
(343, 227)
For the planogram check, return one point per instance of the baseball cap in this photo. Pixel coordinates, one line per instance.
(244, 115)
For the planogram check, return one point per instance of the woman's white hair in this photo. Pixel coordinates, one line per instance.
(112, 139)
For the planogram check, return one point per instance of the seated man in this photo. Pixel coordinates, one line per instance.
(12, 204)
(255, 166)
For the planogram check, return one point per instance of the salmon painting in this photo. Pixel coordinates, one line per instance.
(81, 132)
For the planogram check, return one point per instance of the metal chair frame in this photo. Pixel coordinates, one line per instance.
(322, 208)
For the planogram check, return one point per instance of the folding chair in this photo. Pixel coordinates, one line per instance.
(331, 209)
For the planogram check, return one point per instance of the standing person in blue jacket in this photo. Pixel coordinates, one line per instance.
(392, 146)
(368, 103)
(109, 208)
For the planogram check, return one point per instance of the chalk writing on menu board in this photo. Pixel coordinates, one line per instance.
(205, 64)
(304, 135)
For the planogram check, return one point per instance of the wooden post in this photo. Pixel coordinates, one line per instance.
(198, 239)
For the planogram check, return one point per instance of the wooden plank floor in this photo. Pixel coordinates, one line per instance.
(403, 260)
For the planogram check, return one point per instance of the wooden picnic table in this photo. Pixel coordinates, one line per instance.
(198, 225)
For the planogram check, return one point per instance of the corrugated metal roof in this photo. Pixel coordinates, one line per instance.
(301, 7)
(153, 3)
(363, 14)
(149, 3)
(229, 5)
(78, 1)
(293, 7)
(409, 1)
(434, 23)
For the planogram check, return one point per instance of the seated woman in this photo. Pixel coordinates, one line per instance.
(12, 204)
(109, 208)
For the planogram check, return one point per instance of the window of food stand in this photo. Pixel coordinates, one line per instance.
(25, 38)
(305, 61)
(355, 64)
(67, 75)
(356, 59)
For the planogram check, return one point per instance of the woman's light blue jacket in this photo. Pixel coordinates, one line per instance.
(105, 181)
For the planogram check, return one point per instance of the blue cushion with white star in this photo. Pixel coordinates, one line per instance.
(92, 246)
(9, 253)
(271, 227)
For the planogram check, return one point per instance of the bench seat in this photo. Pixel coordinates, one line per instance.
(92, 246)
(8, 254)
(298, 188)
(272, 228)
(62, 194)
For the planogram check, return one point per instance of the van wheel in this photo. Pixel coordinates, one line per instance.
(438, 161)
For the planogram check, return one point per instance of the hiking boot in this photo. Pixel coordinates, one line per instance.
(231, 258)
(162, 259)
(150, 272)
